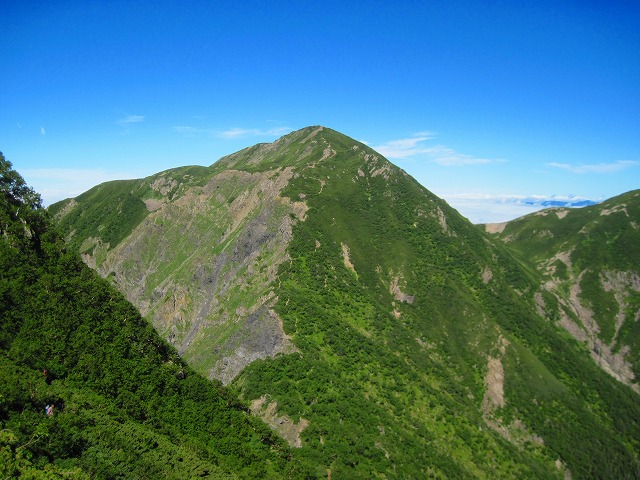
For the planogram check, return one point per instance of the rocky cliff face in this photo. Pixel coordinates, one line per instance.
(201, 264)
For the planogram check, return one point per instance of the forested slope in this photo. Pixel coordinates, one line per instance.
(124, 404)
(589, 265)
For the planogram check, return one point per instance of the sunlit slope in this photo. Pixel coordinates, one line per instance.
(589, 260)
(368, 322)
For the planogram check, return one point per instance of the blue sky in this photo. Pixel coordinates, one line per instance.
(487, 104)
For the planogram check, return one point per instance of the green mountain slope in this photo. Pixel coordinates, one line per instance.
(365, 320)
(124, 404)
(589, 261)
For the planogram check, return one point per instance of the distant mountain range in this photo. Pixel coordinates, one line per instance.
(375, 329)
(560, 203)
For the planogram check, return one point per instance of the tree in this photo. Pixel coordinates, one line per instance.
(22, 217)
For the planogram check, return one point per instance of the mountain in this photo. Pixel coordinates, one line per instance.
(588, 262)
(120, 403)
(373, 327)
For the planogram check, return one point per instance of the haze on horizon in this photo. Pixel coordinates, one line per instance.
(494, 107)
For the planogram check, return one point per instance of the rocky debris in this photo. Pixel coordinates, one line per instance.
(312, 134)
(163, 185)
(424, 344)
(563, 469)
(618, 208)
(210, 283)
(487, 275)
(495, 227)
(540, 304)
(442, 219)
(328, 153)
(68, 207)
(620, 281)
(516, 431)
(588, 330)
(548, 267)
(261, 336)
(494, 397)
(282, 424)
(346, 259)
(494, 381)
(394, 289)
(153, 204)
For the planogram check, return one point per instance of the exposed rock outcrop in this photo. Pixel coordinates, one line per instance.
(230, 265)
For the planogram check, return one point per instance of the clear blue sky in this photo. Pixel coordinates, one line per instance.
(484, 103)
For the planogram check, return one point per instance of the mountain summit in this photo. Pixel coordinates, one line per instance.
(371, 325)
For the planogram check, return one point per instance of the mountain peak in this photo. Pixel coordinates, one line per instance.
(297, 149)
(362, 317)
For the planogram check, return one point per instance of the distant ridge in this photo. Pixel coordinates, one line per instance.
(589, 260)
(561, 203)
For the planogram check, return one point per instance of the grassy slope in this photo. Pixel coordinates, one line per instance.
(600, 239)
(110, 211)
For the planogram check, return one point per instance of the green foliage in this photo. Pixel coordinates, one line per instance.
(599, 237)
(22, 220)
(604, 305)
(362, 370)
(629, 333)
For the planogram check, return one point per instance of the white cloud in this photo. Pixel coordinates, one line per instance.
(517, 199)
(131, 119)
(237, 132)
(254, 132)
(278, 131)
(483, 212)
(186, 129)
(56, 184)
(42, 131)
(404, 147)
(448, 157)
(491, 208)
(595, 167)
(440, 154)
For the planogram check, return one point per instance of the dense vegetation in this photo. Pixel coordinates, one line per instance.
(402, 394)
(124, 404)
